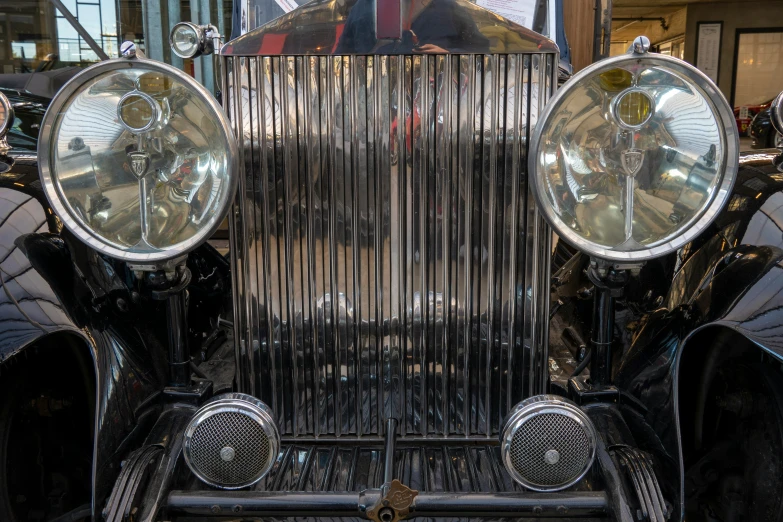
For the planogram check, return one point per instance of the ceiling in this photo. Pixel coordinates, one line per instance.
(626, 30)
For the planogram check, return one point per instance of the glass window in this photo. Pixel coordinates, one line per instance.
(40, 49)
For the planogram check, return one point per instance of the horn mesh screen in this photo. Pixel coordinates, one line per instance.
(235, 430)
(543, 433)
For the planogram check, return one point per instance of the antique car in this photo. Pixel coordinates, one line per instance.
(763, 132)
(745, 114)
(452, 290)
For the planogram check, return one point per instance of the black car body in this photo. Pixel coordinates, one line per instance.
(763, 133)
(93, 411)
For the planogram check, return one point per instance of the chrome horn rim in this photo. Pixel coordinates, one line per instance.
(534, 407)
(238, 403)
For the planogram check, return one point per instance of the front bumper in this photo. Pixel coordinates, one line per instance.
(359, 505)
(385, 480)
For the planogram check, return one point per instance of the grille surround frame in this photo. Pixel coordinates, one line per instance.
(535, 408)
(233, 403)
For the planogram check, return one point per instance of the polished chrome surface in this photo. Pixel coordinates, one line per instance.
(146, 195)
(630, 190)
(347, 27)
(128, 49)
(548, 443)
(389, 260)
(640, 45)
(232, 441)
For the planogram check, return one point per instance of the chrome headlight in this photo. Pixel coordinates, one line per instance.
(634, 156)
(138, 160)
(6, 119)
(776, 113)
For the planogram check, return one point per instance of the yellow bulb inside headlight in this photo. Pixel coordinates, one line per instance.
(633, 108)
(633, 157)
(138, 160)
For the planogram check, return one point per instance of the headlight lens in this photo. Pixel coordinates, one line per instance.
(634, 156)
(138, 160)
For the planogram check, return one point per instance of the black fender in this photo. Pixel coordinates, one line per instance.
(55, 289)
(731, 278)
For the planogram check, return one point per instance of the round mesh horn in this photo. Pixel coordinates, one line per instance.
(547, 443)
(232, 441)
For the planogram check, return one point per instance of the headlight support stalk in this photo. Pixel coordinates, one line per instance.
(610, 280)
(172, 288)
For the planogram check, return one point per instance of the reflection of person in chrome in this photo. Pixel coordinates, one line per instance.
(428, 26)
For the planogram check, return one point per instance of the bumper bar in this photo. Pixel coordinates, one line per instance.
(331, 504)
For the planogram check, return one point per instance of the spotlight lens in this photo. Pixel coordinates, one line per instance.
(137, 112)
(185, 40)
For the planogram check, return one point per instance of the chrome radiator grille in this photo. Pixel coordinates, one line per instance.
(388, 260)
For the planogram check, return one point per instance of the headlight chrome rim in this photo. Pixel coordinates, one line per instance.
(718, 200)
(54, 195)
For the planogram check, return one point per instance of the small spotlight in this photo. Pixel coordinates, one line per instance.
(189, 40)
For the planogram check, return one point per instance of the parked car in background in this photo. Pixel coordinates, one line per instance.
(763, 132)
(29, 110)
(745, 114)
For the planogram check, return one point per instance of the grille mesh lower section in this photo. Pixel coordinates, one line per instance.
(543, 433)
(245, 436)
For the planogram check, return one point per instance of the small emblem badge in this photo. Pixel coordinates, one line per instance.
(395, 504)
(632, 161)
(139, 163)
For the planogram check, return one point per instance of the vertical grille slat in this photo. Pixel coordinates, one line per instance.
(384, 242)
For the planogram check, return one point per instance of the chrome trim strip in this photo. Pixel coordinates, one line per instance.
(380, 269)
